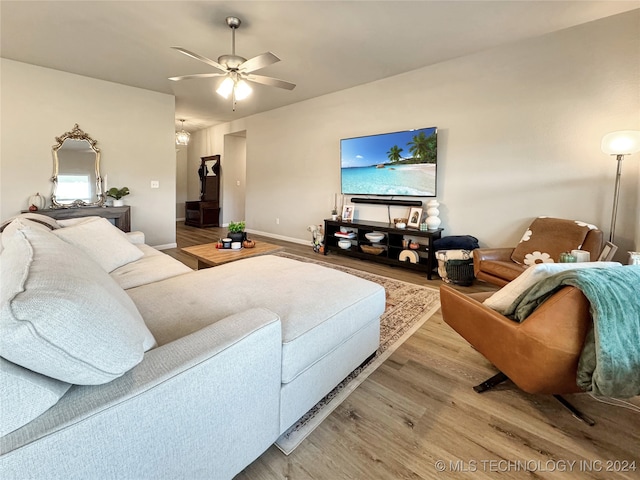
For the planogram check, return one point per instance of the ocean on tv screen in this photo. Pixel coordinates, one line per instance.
(417, 180)
(398, 163)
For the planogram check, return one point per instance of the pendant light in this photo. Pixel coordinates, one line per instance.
(182, 137)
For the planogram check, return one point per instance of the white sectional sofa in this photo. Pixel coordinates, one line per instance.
(152, 370)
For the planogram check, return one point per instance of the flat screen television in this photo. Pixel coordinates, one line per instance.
(396, 164)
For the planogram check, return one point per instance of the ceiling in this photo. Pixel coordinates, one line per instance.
(325, 46)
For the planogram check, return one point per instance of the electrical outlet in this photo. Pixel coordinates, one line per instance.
(155, 184)
(277, 221)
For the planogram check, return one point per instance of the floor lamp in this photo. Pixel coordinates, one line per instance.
(621, 143)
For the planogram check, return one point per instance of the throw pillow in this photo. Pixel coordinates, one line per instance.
(18, 223)
(103, 242)
(503, 298)
(69, 222)
(546, 238)
(25, 395)
(62, 316)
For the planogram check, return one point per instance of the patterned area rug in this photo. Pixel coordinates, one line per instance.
(408, 306)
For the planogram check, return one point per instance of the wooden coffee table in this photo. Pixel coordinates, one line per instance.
(210, 256)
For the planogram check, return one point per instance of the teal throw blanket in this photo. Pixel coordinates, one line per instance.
(610, 360)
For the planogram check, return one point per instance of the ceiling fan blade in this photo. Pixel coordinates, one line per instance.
(206, 60)
(259, 61)
(197, 75)
(272, 82)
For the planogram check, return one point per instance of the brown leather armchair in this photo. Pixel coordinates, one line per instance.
(496, 266)
(539, 355)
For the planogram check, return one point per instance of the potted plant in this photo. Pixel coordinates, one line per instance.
(117, 194)
(236, 231)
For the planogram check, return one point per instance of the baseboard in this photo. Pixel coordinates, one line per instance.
(165, 246)
(280, 237)
(181, 219)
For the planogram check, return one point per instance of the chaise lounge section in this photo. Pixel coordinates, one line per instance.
(243, 350)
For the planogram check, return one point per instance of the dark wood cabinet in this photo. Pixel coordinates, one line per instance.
(206, 211)
(390, 248)
(202, 214)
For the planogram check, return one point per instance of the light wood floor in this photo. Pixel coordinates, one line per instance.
(418, 409)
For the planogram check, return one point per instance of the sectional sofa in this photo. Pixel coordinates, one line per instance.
(120, 362)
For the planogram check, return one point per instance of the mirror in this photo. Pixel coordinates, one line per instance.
(76, 171)
(209, 167)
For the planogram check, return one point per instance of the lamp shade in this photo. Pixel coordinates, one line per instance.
(243, 90)
(226, 87)
(623, 142)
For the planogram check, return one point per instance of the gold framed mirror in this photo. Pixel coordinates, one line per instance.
(76, 171)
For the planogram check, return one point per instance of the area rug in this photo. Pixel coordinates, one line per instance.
(408, 306)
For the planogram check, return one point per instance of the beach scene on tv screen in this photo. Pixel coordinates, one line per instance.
(399, 163)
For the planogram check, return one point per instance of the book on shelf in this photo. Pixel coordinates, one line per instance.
(349, 235)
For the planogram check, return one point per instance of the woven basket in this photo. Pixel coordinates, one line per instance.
(460, 272)
(372, 250)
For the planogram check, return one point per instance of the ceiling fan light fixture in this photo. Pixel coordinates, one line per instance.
(226, 87)
(182, 137)
(242, 90)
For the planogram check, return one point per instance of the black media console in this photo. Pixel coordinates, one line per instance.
(392, 244)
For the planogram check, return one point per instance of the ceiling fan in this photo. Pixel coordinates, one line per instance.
(237, 70)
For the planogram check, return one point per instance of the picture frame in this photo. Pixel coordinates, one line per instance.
(415, 214)
(607, 253)
(347, 213)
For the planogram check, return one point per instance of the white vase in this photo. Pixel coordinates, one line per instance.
(433, 221)
(118, 202)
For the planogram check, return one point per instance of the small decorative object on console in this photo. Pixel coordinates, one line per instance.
(433, 220)
(117, 194)
(249, 244)
(372, 249)
(36, 202)
(347, 213)
(414, 217)
(374, 237)
(344, 244)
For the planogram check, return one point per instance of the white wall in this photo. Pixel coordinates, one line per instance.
(181, 181)
(134, 129)
(519, 136)
(234, 174)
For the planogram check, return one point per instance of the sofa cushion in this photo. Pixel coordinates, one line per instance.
(11, 228)
(152, 267)
(319, 307)
(35, 217)
(25, 395)
(61, 315)
(104, 243)
(546, 238)
(507, 295)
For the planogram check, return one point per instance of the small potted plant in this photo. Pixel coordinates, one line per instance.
(117, 194)
(236, 231)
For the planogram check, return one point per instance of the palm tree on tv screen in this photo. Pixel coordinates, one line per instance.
(423, 148)
(394, 154)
